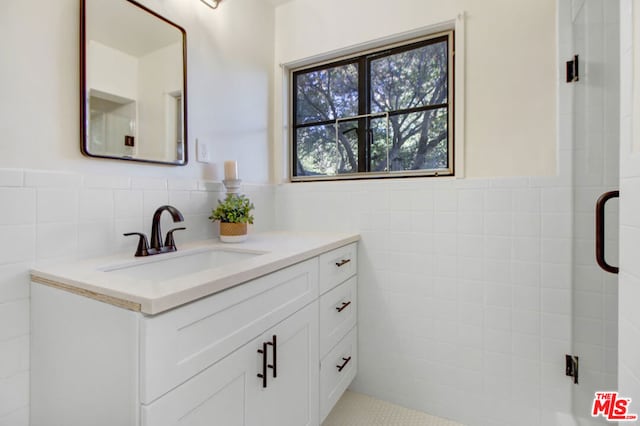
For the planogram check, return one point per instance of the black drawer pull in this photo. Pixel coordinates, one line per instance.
(344, 305)
(263, 376)
(274, 352)
(343, 262)
(344, 364)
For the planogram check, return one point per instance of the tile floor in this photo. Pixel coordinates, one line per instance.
(356, 409)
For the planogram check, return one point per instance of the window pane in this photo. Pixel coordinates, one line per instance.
(417, 141)
(319, 154)
(327, 94)
(410, 79)
(378, 148)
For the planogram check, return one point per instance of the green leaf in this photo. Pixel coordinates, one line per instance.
(234, 209)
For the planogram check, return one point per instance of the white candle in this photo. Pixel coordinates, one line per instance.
(231, 170)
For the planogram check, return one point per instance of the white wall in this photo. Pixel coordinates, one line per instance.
(112, 71)
(58, 205)
(510, 69)
(629, 292)
(159, 77)
(230, 64)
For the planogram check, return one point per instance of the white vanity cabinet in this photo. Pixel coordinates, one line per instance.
(230, 393)
(266, 352)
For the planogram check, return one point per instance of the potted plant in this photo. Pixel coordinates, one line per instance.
(234, 213)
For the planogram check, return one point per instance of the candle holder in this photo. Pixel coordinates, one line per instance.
(232, 185)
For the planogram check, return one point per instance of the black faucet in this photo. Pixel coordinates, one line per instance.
(156, 246)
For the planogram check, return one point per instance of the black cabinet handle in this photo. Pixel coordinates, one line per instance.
(344, 305)
(274, 351)
(343, 262)
(600, 204)
(263, 376)
(344, 364)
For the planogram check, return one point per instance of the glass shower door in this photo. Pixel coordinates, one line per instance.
(595, 171)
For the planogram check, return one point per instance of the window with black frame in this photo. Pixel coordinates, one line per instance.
(386, 113)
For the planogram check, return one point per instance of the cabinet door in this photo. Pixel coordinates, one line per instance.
(292, 397)
(180, 343)
(225, 394)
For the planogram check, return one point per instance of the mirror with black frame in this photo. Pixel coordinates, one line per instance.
(133, 85)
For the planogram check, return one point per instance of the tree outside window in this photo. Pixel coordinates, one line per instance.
(385, 113)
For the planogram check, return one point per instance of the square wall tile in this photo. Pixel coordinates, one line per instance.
(15, 319)
(56, 240)
(526, 322)
(498, 224)
(557, 200)
(18, 206)
(14, 356)
(96, 204)
(527, 249)
(57, 205)
(11, 177)
(497, 247)
(527, 201)
(526, 298)
(471, 200)
(20, 417)
(556, 250)
(556, 276)
(471, 223)
(128, 204)
(14, 282)
(96, 238)
(526, 273)
(14, 393)
(19, 246)
(556, 326)
(445, 200)
(499, 200)
(556, 301)
(498, 295)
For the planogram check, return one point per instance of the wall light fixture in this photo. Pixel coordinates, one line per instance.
(213, 4)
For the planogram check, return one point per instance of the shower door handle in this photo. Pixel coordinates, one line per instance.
(600, 205)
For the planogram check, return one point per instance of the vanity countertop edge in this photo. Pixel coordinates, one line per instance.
(283, 249)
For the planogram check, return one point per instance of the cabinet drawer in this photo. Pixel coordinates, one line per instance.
(178, 344)
(337, 265)
(334, 380)
(338, 314)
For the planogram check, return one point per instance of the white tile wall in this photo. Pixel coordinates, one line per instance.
(51, 216)
(455, 312)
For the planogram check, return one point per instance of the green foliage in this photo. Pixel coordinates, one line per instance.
(234, 209)
(399, 83)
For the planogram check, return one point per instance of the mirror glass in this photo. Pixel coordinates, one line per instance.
(133, 83)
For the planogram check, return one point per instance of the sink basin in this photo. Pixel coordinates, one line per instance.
(165, 268)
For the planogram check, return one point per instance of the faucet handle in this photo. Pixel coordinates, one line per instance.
(169, 242)
(143, 244)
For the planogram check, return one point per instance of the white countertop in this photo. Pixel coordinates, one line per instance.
(281, 249)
